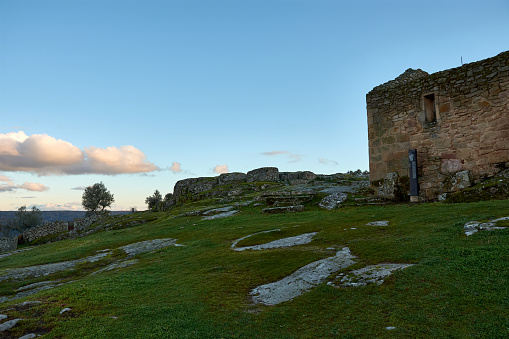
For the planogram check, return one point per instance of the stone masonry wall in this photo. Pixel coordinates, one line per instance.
(8, 244)
(44, 230)
(78, 224)
(470, 130)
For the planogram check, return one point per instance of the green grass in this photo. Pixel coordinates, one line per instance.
(457, 289)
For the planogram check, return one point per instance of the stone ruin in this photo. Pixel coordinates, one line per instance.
(8, 244)
(457, 119)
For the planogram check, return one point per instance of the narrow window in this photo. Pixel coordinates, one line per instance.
(429, 108)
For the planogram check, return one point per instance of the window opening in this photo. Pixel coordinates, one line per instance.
(429, 108)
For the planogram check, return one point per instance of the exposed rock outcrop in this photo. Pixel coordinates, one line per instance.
(270, 174)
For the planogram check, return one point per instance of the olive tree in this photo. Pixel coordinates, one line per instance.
(154, 201)
(96, 198)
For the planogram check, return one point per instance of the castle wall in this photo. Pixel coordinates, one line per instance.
(457, 119)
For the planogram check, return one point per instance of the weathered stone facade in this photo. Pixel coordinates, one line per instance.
(457, 119)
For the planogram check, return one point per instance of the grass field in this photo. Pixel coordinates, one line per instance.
(458, 287)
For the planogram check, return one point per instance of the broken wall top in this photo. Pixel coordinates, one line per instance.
(412, 79)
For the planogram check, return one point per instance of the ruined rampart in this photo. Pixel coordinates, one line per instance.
(8, 244)
(457, 119)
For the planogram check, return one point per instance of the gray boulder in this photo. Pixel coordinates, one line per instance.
(458, 181)
(332, 201)
(297, 178)
(388, 186)
(231, 178)
(263, 174)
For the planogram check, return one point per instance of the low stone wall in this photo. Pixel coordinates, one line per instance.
(80, 224)
(44, 230)
(8, 244)
(55, 227)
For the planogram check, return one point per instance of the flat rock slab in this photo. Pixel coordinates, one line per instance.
(247, 236)
(47, 269)
(378, 223)
(8, 324)
(472, 227)
(218, 210)
(147, 246)
(221, 215)
(3, 255)
(332, 201)
(285, 242)
(302, 280)
(42, 270)
(372, 274)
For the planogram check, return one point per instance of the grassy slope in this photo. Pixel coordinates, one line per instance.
(458, 288)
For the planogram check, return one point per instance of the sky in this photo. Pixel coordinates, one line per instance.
(140, 94)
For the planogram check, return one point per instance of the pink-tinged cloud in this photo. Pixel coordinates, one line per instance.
(275, 153)
(68, 206)
(29, 186)
(34, 187)
(220, 169)
(176, 167)
(113, 160)
(8, 187)
(45, 155)
(4, 178)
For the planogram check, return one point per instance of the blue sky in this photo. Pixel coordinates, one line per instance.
(141, 94)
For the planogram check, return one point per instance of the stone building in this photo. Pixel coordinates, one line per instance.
(457, 119)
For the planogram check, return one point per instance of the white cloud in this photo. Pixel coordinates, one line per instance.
(220, 169)
(113, 160)
(292, 156)
(327, 161)
(176, 167)
(295, 157)
(45, 155)
(79, 188)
